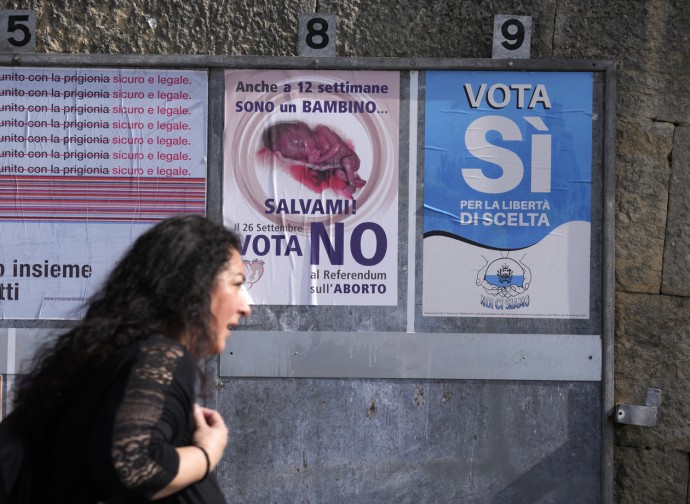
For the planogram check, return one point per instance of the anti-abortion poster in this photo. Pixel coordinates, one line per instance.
(89, 159)
(507, 194)
(311, 184)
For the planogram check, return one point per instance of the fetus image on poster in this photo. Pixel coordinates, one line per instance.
(317, 157)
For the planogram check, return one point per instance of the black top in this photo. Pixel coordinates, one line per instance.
(114, 438)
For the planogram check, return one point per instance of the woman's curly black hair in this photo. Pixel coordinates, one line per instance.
(161, 286)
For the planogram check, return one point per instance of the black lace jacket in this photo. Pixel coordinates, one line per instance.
(114, 439)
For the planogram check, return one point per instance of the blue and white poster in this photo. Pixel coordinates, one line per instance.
(507, 194)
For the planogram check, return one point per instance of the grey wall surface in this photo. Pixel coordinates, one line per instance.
(407, 441)
(410, 441)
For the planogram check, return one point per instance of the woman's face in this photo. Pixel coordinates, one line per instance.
(228, 302)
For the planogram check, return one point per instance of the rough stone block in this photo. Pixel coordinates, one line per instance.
(647, 40)
(642, 173)
(415, 29)
(677, 248)
(175, 27)
(644, 476)
(652, 350)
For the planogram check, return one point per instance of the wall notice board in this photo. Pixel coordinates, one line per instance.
(439, 218)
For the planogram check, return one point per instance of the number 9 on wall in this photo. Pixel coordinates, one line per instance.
(512, 36)
(316, 35)
(17, 31)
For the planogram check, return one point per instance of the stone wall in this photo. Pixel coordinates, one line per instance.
(650, 44)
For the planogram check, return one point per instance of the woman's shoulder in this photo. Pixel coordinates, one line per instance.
(163, 346)
(155, 346)
(162, 356)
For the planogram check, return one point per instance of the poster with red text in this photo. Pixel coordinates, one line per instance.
(311, 184)
(90, 159)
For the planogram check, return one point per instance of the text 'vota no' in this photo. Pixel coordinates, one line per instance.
(334, 247)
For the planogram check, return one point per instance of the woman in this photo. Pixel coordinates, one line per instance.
(108, 412)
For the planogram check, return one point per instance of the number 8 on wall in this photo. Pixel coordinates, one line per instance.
(316, 35)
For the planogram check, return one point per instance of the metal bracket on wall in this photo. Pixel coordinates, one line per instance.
(644, 416)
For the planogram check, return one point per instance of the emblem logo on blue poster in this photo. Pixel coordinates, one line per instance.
(505, 282)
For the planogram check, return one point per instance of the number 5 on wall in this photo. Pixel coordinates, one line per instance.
(17, 31)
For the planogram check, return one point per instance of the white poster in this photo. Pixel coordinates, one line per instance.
(89, 159)
(311, 184)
